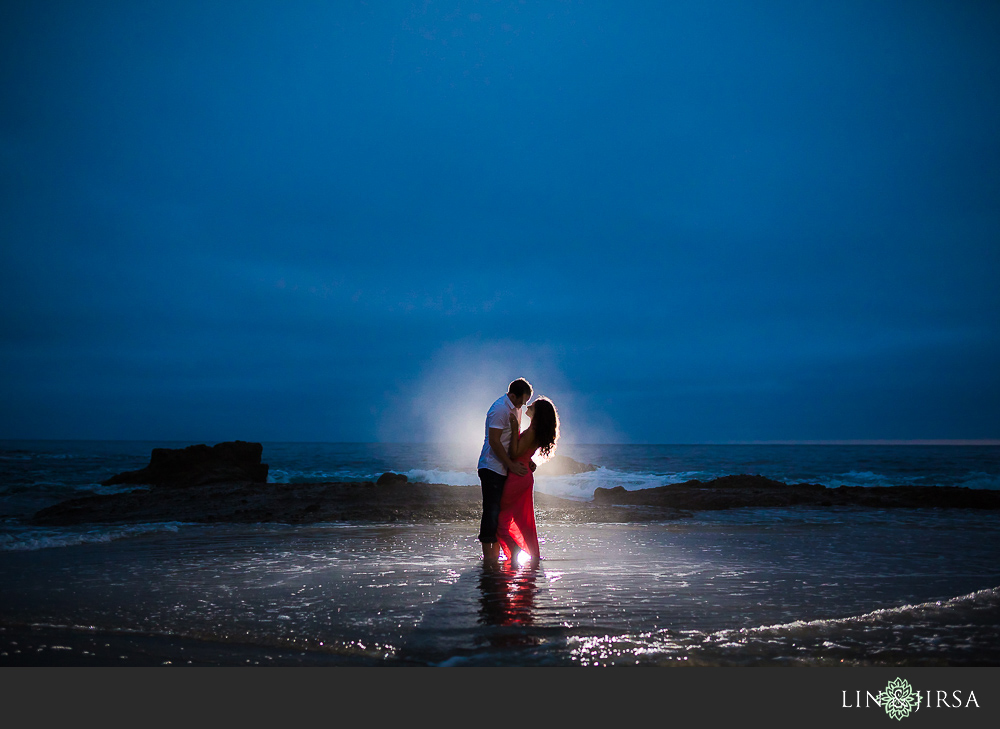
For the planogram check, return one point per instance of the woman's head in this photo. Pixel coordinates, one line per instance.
(545, 421)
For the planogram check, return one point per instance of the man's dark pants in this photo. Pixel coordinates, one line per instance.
(492, 483)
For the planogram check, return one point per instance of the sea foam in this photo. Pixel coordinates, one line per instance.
(32, 539)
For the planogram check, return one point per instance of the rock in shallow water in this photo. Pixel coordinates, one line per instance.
(198, 465)
(389, 479)
(563, 466)
(744, 490)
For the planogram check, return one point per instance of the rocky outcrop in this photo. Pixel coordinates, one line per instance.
(744, 490)
(198, 465)
(563, 466)
(299, 503)
(395, 499)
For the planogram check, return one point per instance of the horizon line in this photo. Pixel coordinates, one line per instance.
(873, 441)
(857, 441)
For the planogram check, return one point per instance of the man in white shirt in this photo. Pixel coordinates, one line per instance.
(495, 462)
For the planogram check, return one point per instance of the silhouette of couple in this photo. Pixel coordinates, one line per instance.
(506, 472)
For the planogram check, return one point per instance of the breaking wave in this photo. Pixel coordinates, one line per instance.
(31, 539)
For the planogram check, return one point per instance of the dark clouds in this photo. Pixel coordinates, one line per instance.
(718, 221)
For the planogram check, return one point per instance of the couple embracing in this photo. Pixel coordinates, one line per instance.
(506, 473)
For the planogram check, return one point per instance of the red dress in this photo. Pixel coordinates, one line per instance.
(516, 528)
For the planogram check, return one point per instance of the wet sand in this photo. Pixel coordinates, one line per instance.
(764, 587)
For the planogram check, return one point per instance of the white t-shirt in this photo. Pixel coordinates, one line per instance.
(497, 417)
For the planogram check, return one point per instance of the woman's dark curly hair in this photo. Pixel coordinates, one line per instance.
(546, 424)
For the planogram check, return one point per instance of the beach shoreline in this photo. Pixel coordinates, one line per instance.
(367, 556)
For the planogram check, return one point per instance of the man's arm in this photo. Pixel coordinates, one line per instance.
(501, 453)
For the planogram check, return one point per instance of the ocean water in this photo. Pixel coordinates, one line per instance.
(747, 587)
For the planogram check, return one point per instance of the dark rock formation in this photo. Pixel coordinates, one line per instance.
(563, 466)
(735, 491)
(198, 465)
(393, 500)
(390, 479)
(300, 503)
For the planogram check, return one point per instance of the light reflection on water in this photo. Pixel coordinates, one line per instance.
(698, 591)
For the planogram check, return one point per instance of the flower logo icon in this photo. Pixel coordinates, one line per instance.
(898, 699)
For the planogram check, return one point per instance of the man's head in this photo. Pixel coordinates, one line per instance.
(519, 392)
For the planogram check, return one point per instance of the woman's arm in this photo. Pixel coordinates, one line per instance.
(515, 436)
(523, 443)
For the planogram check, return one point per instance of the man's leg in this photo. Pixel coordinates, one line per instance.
(491, 552)
(492, 484)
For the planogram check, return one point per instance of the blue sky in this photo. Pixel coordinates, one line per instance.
(684, 222)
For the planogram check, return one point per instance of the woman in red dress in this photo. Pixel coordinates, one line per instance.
(516, 529)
